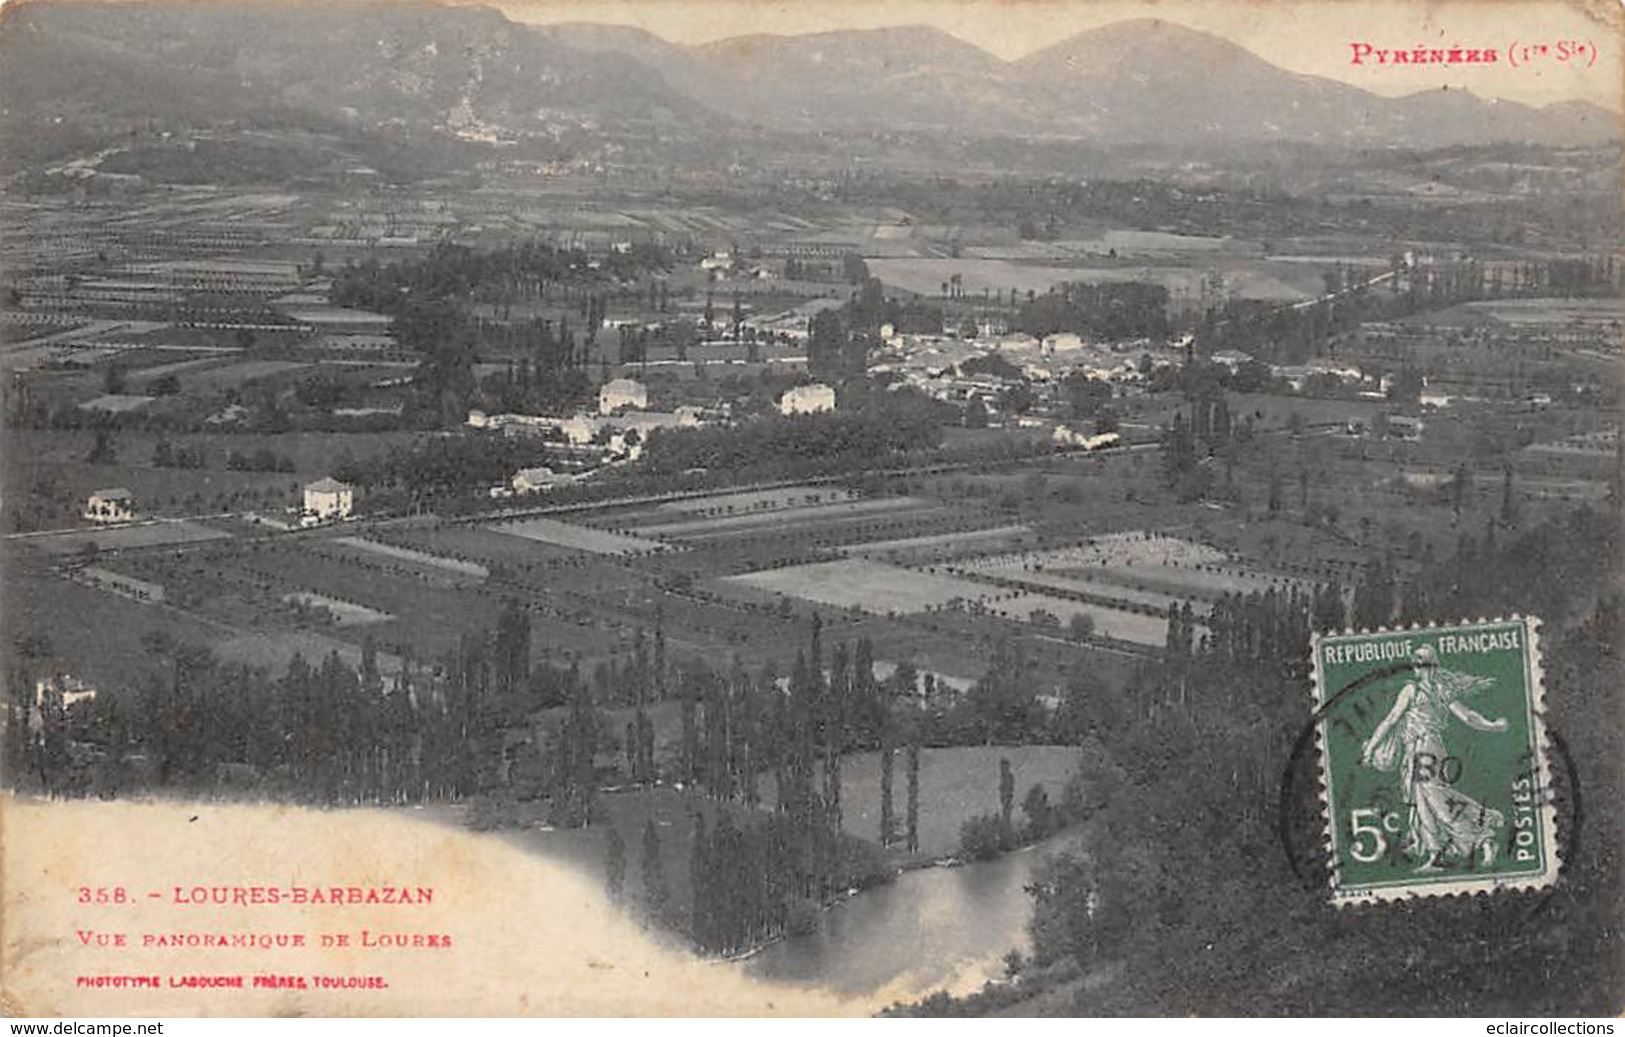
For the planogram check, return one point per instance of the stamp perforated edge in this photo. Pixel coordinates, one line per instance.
(1535, 680)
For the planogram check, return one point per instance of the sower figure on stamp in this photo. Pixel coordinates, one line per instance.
(1443, 823)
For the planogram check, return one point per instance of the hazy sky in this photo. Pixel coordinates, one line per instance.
(1312, 37)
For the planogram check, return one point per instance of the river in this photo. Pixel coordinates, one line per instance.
(932, 929)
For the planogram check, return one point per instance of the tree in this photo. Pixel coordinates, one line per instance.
(615, 865)
(1040, 815)
(1461, 487)
(888, 822)
(1178, 450)
(702, 882)
(981, 838)
(103, 451)
(655, 895)
(1007, 795)
(913, 837)
(1065, 891)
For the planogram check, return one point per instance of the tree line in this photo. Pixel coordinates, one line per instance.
(1183, 893)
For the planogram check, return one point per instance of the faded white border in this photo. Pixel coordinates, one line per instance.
(1535, 703)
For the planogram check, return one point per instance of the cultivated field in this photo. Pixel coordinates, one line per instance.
(864, 584)
(1117, 624)
(1087, 583)
(152, 533)
(796, 516)
(758, 500)
(345, 613)
(1207, 583)
(940, 545)
(404, 554)
(482, 546)
(1558, 312)
(1124, 549)
(1148, 569)
(273, 651)
(581, 538)
(1250, 279)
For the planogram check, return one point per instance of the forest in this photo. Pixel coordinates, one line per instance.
(1201, 848)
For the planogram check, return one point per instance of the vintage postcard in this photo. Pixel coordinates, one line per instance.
(718, 508)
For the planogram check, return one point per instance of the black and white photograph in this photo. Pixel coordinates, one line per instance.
(715, 508)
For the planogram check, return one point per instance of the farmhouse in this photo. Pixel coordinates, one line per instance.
(619, 393)
(328, 499)
(1066, 436)
(71, 688)
(1404, 427)
(807, 399)
(538, 480)
(112, 505)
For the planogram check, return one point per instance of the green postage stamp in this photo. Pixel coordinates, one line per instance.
(1433, 761)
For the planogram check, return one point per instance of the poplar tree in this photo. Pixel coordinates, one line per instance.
(615, 865)
(654, 871)
(1007, 796)
(913, 843)
(888, 823)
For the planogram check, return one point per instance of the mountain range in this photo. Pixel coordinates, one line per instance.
(74, 64)
(1140, 81)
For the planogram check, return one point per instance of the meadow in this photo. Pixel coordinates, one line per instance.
(864, 584)
(956, 785)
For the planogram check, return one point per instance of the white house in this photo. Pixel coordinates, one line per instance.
(1064, 436)
(1231, 358)
(73, 690)
(583, 429)
(328, 499)
(538, 480)
(112, 505)
(618, 393)
(807, 399)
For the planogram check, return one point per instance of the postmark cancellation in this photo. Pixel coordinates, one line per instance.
(1434, 761)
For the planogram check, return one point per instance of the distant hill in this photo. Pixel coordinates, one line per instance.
(78, 75)
(1141, 81)
(100, 66)
(882, 78)
(1206, 86)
